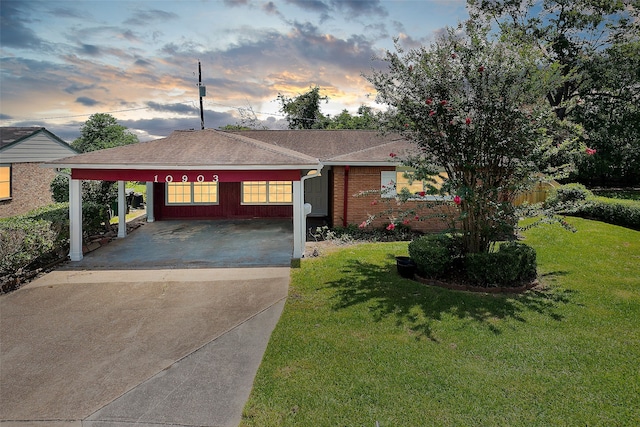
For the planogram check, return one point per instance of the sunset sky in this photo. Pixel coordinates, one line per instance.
(62, 61)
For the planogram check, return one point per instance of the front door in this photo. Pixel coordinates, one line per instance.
(316, 192)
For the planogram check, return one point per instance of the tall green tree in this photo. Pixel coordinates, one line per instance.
(568, 34)
(594, 44)
(472, 107)
(364, 119)
(99, 132)
(303, 111)
(102, 131)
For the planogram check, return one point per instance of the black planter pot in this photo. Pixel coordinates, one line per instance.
(406, 267)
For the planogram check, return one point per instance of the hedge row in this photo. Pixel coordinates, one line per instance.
(26, 238)
(625, 213)
(577, 200)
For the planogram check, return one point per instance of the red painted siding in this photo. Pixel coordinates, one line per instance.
(229, 207)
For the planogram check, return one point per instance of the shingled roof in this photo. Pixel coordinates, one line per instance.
(336, 147)
(189, 149)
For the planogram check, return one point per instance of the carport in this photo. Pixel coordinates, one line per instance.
(206, 157)
(203, 244)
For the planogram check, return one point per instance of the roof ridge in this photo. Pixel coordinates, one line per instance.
(362, 150)
(273, 148)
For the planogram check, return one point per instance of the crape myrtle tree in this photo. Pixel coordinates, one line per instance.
(472, 106)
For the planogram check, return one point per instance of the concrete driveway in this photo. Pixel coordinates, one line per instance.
(145, 347)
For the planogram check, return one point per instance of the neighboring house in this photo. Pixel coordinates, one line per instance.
(24, 184)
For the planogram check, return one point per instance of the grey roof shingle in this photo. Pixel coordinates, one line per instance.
(336, 146)
(269, 148)
(188, 148)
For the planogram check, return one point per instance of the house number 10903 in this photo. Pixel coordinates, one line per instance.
(185, 178)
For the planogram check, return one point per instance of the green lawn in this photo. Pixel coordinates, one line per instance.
(357, 344)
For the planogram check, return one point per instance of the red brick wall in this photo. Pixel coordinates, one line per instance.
(30, 189)
(359, 207)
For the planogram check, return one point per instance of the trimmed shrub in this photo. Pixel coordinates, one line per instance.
(625, 213)
(568, 195)
(26, 238)
(509, 266)
(23, 240)
(434, 254)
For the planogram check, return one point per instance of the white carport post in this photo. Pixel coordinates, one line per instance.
(122, 211)
(75, 219)
(149, 203)
(300, 212)
(298, 218)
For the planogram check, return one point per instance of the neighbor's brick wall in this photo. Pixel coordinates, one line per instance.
(360, 207)
(30, 189)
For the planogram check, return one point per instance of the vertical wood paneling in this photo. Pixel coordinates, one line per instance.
(229, 206)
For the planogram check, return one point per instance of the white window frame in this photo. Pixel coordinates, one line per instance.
(388, 189)
(192, 203)
(268, 202)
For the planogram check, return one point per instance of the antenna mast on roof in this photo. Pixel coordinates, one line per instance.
(203, 92)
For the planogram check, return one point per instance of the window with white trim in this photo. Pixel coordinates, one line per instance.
(267, 192)
(192, 193)
(393, 182)
(5, 182)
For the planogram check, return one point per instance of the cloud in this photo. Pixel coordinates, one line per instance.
(355, 8)
(5, 117)
(350, 8)
(173, 108)
(89, 49)
(144, 17)
(236, 3)
(75, 87)
(271, 9)
(13, 31)
(86, 101)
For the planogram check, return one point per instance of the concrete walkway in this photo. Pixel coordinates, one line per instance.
(104, 343)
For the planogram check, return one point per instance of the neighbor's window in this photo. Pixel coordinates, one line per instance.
(267, 192)
(192, 193)
(5, 182)
(393, 182)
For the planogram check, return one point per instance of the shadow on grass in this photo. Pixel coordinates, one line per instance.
(416, 306)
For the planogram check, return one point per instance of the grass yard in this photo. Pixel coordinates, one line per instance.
(357, 344)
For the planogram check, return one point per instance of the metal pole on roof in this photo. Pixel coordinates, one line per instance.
(203, 92)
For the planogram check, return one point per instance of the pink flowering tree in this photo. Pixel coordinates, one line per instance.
(474, 108)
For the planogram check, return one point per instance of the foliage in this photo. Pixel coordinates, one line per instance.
(303, 111)
(102, 131)
(22, 240)
(567, 196)
(625, 213)
(364, 119)
(569, 34)
(610, 115)
(435, 254)
(513, 263)
(26, 238)
(470, 104)
(618, 193)
(595, 45)
(94, 194)
(352, 233)
(356, 344)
